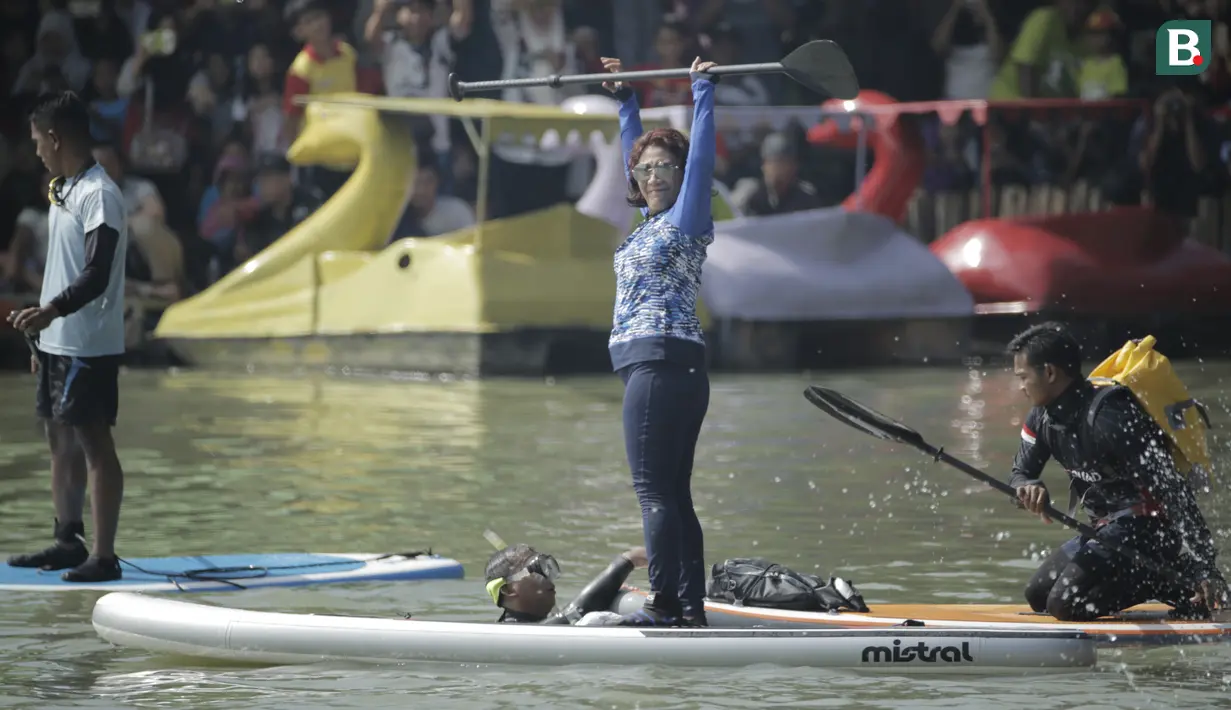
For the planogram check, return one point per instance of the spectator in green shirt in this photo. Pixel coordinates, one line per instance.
(1043, 62)
(1103, 74)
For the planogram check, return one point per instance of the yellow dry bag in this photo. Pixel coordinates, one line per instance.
(1149, 376)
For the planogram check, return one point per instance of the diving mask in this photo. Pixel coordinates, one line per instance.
(541, 564)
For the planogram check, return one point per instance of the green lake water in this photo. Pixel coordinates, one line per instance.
(247, 463)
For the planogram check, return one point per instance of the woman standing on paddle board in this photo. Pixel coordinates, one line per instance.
(656, 342)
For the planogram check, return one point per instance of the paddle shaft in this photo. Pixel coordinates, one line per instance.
(856, 415)
(458, 89)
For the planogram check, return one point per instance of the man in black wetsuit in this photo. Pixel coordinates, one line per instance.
(521, 581)
(1121, 471)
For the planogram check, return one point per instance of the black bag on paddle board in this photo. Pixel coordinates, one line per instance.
(753, 581)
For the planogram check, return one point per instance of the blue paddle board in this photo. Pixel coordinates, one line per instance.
(220, 573)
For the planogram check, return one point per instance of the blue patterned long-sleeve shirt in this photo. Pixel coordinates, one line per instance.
(658, 267)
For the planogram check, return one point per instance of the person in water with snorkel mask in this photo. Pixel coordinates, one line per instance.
(522, 581)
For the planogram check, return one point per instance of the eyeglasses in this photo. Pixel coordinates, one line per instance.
(662, 171)
(543, 565)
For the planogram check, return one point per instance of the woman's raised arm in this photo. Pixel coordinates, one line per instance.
(630, 111)
(692, 211)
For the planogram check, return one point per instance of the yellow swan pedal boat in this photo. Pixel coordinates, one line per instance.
(523, 295)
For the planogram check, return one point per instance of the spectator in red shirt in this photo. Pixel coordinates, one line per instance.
(673, 45)
(325, 65)
(586, 43)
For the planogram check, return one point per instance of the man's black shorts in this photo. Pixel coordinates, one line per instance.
(78, 391)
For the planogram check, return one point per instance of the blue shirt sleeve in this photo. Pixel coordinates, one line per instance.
(630, 129)
(692, 212)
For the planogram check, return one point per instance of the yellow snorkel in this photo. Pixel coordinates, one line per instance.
(494, 586)
(493, 589)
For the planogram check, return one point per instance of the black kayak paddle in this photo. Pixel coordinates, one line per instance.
(870, 421)
(820, 65)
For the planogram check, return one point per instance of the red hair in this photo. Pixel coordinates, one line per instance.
(669, 140)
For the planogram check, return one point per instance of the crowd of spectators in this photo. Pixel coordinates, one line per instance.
(194, 102)
(1168, 153)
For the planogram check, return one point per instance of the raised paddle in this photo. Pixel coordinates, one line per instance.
(820, 65)
(869, 421)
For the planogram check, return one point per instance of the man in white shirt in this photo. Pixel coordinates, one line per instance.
(79, 333)
(745, 90)
(415, 58)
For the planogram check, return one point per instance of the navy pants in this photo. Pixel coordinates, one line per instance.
(664, 406)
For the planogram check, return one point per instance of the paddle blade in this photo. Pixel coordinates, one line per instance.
(822, 66)
(857, 416)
